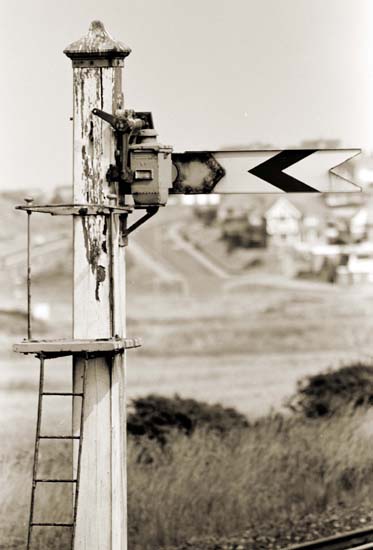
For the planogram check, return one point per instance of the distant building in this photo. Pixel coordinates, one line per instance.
(330, 218)
(358, 266)
(359, 225)
(283, 221)
(311, 229)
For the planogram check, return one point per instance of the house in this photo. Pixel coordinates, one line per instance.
(283, 221)
(352, 223)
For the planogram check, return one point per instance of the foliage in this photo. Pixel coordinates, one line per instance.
(207, 215)
(272, 476)
(334, 391)
(266, 478)
(158, 417)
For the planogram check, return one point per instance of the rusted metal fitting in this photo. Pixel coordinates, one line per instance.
(123, 122)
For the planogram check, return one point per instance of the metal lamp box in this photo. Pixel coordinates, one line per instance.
(152, 170)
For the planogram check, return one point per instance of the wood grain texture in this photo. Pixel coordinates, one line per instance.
(93, 527)
(101, 519)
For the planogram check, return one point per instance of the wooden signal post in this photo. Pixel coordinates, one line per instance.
(99, 295)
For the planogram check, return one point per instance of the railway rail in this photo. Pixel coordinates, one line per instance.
(361, 539)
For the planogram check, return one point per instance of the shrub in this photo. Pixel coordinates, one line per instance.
(158, 417)
(272, 476)
(332, 392)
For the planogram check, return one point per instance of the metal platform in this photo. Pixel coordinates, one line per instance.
(75, 209)
(71, 347)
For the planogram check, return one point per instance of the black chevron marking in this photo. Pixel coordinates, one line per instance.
(272, 171)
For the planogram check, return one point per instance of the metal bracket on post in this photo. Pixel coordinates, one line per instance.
(126, 124)
(150, 212)
(29, 201)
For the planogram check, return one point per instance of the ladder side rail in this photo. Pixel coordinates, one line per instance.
(76, 498)
(36, 450)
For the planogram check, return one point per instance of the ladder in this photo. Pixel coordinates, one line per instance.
(82, 350)
(38, 437)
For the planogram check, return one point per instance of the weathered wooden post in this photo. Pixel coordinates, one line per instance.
(99, 285)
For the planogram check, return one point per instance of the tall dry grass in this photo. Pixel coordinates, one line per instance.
(277, 471)
(53, 503)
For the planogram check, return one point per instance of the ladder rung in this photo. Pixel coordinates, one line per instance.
(63, 393)
(55, 480)
(59, 436)
(52, 524)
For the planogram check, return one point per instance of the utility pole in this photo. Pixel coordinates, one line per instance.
(98, 305)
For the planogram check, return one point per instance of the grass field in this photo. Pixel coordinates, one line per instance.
(265, 480)
(245, 349)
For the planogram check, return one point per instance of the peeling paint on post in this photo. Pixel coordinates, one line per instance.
(97, 72)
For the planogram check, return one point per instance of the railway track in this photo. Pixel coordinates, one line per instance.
(361, 539)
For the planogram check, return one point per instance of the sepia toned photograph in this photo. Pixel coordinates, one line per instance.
(186, 265)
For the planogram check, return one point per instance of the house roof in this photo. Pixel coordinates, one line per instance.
(283, 206)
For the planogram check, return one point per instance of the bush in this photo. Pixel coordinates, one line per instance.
(157, 417)
(272, 476)
(332, 392)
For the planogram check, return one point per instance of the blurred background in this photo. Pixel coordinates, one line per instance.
(235, 297)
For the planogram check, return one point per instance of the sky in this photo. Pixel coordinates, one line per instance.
(214, 73)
